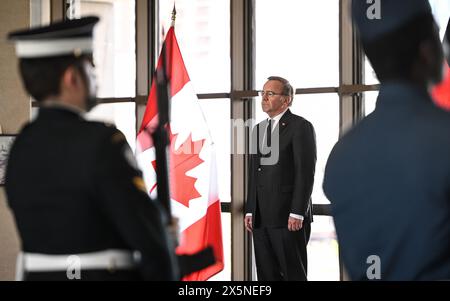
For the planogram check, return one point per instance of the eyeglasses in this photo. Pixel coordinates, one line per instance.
(269, 94)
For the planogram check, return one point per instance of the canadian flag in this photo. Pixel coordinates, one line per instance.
(192, 163)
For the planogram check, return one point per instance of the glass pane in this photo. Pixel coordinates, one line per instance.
(39, 12)
(203, 33)
(225, 275)
(39, 16)
(122, 115)
(323, 251)
(217, 114)
(34, 113)
(370, 99)
(298, 40)
(114, 46)
(322, 110)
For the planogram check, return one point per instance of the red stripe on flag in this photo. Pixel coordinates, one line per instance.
(175, 66)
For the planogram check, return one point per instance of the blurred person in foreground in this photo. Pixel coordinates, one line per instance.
(79, 201)
(388, 179)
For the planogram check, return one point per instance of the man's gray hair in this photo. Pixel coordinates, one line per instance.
(288, 90)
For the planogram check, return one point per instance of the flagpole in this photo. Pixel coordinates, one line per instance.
(174, 15)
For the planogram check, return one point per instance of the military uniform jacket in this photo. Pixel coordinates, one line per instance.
(388, 181)
(72, 187)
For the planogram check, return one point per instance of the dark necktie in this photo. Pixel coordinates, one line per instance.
(269, 133)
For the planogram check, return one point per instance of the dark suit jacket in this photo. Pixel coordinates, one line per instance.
(388, 181)
(275, 191)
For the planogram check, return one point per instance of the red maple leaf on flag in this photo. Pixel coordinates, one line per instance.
(182, 160)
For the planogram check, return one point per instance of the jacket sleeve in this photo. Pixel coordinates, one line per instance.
(304, 150)
(136, 217)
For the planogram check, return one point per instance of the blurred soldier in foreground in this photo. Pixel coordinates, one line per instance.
(73, 185)
(388, 179)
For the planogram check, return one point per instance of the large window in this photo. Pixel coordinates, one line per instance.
(115, 60)
(203, 32)
(299, 40)
(322, 110)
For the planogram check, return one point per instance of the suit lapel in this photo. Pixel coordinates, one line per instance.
(278, 131)
(262, 148)
(284, 122)
(280, 134)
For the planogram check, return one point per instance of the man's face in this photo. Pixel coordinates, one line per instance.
(276, 103)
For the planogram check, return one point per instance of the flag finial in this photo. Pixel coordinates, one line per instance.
(174, 15)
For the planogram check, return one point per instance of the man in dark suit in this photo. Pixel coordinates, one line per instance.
(281, 178)
(446, 43)
(79, 201)
(388, 179)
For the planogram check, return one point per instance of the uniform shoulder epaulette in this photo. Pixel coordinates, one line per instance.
(118, 137)
(110, 130)
(108, 124)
